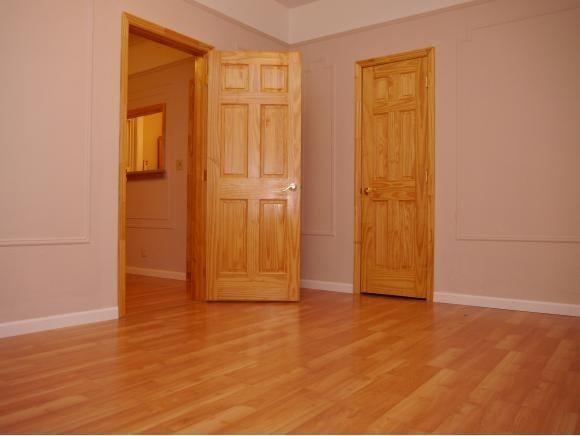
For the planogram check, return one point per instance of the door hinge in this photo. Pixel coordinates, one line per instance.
(426, 81)
(205, 175)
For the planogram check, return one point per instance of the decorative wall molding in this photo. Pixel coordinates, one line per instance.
(87, 147)
(15, 328)
(72, 240)
(326, 68)
(461, 236)
(467, 38)
(151, 223)
(326, 286)
(163, 274)
(508, 303)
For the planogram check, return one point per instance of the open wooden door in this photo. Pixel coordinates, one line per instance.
(253, 176)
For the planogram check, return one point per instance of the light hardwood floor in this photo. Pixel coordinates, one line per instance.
(331, 363)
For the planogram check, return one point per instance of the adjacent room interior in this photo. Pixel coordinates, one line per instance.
(290, 216)
(159, 95)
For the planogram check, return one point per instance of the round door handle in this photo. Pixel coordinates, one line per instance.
(367, 190)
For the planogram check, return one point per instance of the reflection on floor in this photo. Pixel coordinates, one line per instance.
(332, 363)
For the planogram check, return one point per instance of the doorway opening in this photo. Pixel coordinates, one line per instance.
(394, 175)
(141, 158)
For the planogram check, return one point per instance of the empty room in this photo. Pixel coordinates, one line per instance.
(290, 217)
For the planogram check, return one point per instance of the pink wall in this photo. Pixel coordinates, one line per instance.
(157, 207)
(507, 147)
(59, 132)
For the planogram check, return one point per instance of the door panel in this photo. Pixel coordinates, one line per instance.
(395, 168)
(233, 242)
(234, 150)
(273, 246)
(253, 156)
(274, 140)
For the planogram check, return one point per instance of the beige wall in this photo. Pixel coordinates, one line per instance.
(59, 132)
(507, 147)
(157, 207)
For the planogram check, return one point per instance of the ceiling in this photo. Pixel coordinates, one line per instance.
(294, 3)
(296, 21)
(136, 39)
(145, 54)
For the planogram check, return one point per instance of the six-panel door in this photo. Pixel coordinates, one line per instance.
(396, 166)
(253, 247)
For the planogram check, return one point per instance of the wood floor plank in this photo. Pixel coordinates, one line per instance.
(333, 363)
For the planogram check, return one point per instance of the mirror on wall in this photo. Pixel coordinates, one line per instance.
(146, 140)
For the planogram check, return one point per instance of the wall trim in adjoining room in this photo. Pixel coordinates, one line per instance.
(159, 273)
(508, 303)
(326, 286)
(32, 325)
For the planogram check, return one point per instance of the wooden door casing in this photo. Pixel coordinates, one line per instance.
(253, 245)
(396, 175)
(196, 150)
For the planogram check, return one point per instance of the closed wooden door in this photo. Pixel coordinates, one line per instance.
(253, 176)
(397, 173)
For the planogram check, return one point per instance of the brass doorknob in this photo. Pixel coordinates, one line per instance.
(291, 187)
(367, 190)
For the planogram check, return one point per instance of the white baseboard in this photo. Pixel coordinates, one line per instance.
(466, 299)
(326, 286)
(32, 325)
(159, 273)
(507, 303)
